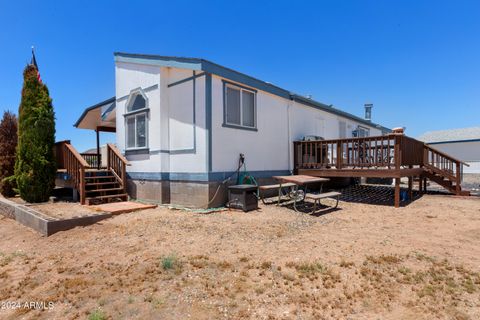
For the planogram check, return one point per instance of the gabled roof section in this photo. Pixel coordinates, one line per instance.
(452, 135)
(213, 68)
(94, 116)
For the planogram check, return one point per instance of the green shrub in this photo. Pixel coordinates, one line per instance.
(8, 146)
(97, 315)
(171, 262)
(35, 163)
(168, 262)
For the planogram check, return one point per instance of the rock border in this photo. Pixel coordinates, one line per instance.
(42, 223)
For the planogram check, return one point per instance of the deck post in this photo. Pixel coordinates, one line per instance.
(459, 178)
(82, 185)
(295, 157)
(339, 155)
(424, 185)
(410, 186)
(98, 149)
(397, 192)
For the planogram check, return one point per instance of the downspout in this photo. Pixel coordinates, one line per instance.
(289, 148)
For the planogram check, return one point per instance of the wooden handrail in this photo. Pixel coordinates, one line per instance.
(377, 151)
(117, 164)
(118, 153)
(77, 155)
(69, 159)
(446, 155)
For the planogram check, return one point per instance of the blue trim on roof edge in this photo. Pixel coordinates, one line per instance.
(95, 106)
(213, 68)
(454, 141)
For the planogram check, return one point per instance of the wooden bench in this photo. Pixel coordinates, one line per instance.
(317, 197)
(278, 187)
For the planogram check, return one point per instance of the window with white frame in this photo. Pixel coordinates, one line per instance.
(136, 122)
(240, 106)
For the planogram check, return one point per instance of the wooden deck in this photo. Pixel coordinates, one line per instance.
(390, 156)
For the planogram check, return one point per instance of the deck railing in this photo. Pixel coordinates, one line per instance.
(117, 164)
(389, 151)
(392, 151)
(72, 162)
(443, 164)
(93, 159)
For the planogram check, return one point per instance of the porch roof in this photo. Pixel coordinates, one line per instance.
(100, 116)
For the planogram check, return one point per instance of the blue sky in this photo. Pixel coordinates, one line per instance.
(418, 62)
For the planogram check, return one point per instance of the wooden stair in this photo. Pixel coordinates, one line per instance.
(444, 170)
(101, 186)
(95, 186)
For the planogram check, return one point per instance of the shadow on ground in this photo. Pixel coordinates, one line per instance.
(374, 194)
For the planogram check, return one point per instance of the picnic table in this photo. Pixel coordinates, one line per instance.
(298, 181)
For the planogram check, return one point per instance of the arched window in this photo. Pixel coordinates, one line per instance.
(137, 103)
(136, 121)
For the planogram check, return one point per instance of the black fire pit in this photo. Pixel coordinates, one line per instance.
(243, 196)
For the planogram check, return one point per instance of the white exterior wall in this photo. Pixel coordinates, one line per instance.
(279, 122)
(175, 143)
(465, 151)
(129, 77)
(186, 140)
(264, 149)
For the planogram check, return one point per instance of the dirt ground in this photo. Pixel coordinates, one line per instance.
(359, 262)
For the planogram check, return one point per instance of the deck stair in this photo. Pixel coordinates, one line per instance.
(94, 185)
(444, 170)
(102, 185)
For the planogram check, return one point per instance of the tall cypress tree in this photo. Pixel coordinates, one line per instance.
(35, 166)
(8, 146)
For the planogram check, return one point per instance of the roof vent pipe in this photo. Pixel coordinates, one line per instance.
(368, 111)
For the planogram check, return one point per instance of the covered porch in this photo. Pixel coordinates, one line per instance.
(100, 117)
(96, 178)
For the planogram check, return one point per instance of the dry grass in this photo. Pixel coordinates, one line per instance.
(163, 264)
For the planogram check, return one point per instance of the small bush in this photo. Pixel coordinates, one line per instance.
(311, 268)
(97, 315)
(171, 262)
(8, 146)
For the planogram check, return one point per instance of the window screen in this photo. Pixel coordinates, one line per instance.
(141, 131)
(233, 106)
(240, 107)
(248, 108)
(131, 132)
